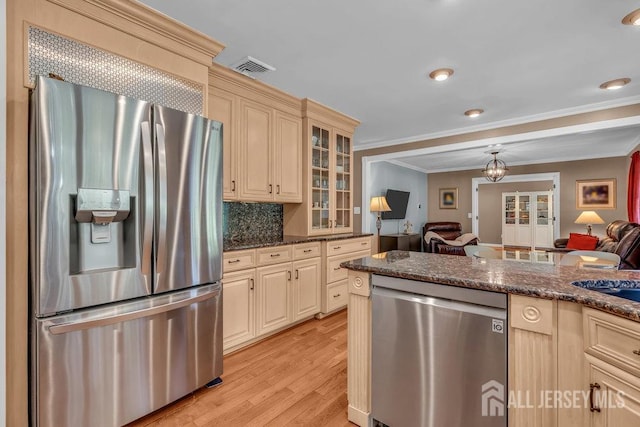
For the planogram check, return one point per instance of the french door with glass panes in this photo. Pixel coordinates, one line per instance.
(527, 219)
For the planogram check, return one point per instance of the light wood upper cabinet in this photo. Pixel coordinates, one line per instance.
(256, 157)
(262, 138)
(288, 158)
(327, 180)
(223, 107)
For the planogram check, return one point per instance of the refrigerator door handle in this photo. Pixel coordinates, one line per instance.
(161, 223)
(147, 219)
(124, 317)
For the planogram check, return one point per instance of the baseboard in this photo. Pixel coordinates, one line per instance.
(358, 417)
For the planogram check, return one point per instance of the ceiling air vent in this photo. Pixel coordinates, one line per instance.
(251, 65)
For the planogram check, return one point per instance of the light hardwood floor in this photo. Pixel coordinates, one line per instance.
(298, 377)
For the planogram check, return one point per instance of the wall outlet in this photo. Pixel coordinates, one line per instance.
(469, 215)
(356, 210)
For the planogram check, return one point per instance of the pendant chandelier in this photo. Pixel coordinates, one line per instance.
(495, 169)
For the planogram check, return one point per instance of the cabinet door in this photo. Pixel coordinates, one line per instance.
(320, 180)
(306, 288)
(544, 220)
(222, 107)
(288, 158)
(342, 184)
(274, 297)
(238, 322)
(618, 397)
(255, 152)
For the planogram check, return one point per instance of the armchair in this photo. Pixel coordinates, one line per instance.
(446, 238)
(623, 238)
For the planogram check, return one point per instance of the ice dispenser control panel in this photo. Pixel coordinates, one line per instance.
(101, 207)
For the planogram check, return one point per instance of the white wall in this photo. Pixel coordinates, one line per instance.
(385, 175)
(3, 221)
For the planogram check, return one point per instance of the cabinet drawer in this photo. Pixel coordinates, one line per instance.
(238, 260)
(306, 250)
(337, 295)
(612, 339)
(335, 272)
(339, 247)
(274, 255)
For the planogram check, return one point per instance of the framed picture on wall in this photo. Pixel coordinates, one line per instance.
(596, 194)
(448, 198)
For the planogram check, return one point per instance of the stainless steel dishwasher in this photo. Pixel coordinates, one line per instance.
(439, 355)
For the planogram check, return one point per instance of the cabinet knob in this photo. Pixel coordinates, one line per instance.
(275, 255)
(278, 189)
(636, 352)
(252, 284)
(306, 251)
(270, 188)
(233, 261)
(289, 275)
(337, 247)
(336, 268)
(336, 295)
(296, 274)
(233, 185)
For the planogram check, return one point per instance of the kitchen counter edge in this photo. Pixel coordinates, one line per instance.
(289, 240)
(551, 282)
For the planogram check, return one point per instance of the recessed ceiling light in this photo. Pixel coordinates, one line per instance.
(441, 74)
(615, 84)
(474, 112)
(632, 18)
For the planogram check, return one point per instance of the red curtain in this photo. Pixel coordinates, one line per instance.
(633, 189)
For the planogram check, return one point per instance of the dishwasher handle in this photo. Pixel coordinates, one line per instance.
(453, 305)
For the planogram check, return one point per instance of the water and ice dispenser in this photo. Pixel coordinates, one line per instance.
(101, 208)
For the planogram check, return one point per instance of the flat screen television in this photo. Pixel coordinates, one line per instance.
(397, 201)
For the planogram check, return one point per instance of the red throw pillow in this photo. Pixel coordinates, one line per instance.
(582, 242)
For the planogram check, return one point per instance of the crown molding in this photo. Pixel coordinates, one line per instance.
(556, 114)
(314, 110)
(406, 165)
(149, 25)
(222, 77)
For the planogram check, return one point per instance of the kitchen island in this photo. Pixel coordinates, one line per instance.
(560, 337)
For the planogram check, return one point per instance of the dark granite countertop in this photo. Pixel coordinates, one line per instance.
(514, 277)
(237, 245)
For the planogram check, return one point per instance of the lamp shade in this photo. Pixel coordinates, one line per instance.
(379, 204)
(589, 217)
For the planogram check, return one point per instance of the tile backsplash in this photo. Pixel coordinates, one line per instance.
(251, 221)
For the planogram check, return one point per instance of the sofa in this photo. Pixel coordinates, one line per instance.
(446, 237)
(623, 238)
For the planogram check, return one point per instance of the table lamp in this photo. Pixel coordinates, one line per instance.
(589, 217)
(379, 204)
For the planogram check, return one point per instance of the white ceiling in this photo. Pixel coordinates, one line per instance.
(518, 60)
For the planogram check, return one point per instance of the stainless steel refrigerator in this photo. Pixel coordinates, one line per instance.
(125, 255)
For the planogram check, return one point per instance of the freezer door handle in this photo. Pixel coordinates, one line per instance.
(147, 215)
(124, 317)
(161, 223)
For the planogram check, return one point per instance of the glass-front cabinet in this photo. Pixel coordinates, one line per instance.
(527, 219)
(330, 181)
(327, 206)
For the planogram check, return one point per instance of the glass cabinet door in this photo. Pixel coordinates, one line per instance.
(510, 209)
(342, 182)
(320, 179)
(542, 206)
(523, 210)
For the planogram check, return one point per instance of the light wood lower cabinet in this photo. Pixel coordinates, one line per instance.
(238, 308)
(334, 278)
(614, 396)
(274, 296)
(306, 288)
(267, 289)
